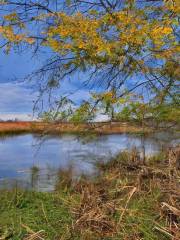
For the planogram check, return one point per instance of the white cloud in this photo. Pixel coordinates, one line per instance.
(13, 116)
(101, 118)
(15, 100)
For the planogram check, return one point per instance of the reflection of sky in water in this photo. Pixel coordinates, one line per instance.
(18, 154)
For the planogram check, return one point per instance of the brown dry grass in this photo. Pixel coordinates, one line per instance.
(142, 202)
(101, 128)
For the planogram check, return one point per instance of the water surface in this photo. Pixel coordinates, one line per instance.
(34, 162)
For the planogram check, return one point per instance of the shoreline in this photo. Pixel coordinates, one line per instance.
(15, 128)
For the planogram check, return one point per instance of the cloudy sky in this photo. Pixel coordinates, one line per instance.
(16, 96)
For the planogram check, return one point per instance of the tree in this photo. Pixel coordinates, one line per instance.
(60, 112)
(109, 103)
(136, 109)
(84, 113)
(132, 43)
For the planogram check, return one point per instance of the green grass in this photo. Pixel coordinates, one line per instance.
(23, 212)
(140, 219)
(93, 209)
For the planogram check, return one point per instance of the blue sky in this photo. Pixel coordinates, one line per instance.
(16, 98)
(16, 95)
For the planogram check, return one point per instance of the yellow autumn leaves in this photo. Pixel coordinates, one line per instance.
(11, 25)
(102, 37)
(172, 5)
(75, 33)
(8, 33)
(106, 38)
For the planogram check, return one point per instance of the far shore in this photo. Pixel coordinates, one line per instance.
(58, 128)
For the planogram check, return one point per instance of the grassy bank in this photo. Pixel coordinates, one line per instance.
(15, 128)
(126, 201)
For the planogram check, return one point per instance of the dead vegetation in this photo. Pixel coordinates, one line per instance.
(129, 201)
(57, 128)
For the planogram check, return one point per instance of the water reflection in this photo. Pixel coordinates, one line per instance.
(26, 162)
